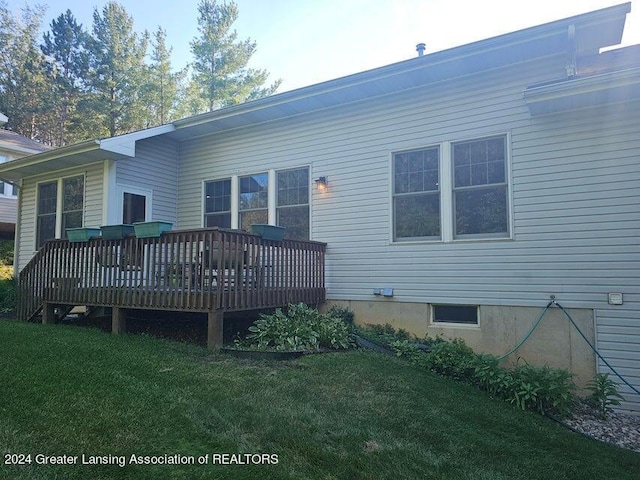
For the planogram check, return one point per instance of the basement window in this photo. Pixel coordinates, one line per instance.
(457, 314)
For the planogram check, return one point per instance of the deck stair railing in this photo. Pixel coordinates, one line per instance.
(194, 270)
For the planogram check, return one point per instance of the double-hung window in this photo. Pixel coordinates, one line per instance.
(60, 206)
(217, 206)
(480, 188)
(293, 203)
(254, 200)
(454, 191)
(416, 194)
(276, 197)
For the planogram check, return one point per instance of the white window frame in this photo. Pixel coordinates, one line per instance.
(447, 214)
(59, 203)
(147, 194)
(8, 187)
(271, 194)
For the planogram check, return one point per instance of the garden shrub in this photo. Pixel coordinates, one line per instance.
(8, 295)
(301, 328)
(542, 389)
(343, 313)
(453, 359)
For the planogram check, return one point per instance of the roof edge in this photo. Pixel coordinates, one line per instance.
(604, 15)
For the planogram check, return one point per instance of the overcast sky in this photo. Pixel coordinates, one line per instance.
(308, 41)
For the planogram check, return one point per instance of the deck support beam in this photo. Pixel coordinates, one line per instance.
(215, 323)
(48, 313)
(118, 320)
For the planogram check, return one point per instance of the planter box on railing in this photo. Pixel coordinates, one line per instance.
(268, 232)
(151, 229)
(83, 234)
(116, 232)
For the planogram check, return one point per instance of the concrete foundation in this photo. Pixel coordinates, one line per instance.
(555, 342)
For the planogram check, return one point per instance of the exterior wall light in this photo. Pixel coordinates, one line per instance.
(322, 183)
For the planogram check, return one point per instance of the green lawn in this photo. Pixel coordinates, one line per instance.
(357, 415)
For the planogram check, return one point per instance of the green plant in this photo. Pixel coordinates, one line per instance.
(343, 313)
(383, 334)
(543, 389)
(8, 295)
(604, 394)
(301, 328)
(453, 359)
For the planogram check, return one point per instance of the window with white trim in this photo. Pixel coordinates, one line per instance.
(292, 210)
(480, 188)
(60, 205)
(217, 203)
(254, 200)
(7, 189)
(276, 197)
(416, 194)
(452, 191)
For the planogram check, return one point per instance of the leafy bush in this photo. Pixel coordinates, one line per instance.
(544, 389)
(8, 295)
(301, 328)
(6, 252)
(453, 359)
(384, 335)
(604, 394)
(343, 313)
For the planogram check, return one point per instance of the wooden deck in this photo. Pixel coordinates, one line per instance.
(208, 270)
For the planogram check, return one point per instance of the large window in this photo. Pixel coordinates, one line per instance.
(72, 203)
(480, 188)
(254, 200)
(60, 206)
(277, 197)
(293, 203)
(217, 204)
(47, 204)
(452, 191)
(416, 194)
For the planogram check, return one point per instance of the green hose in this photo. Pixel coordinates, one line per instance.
(537, 322)
(526, 337)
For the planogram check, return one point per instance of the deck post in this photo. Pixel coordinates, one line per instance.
(118, 320)
(215, 321)
(48, 313)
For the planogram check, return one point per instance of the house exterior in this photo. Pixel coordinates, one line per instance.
(12, 146)
(462, 189)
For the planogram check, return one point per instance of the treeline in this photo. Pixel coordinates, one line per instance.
(73, 83)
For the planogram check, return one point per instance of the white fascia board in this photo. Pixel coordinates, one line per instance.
(126, 144)
(3, 119)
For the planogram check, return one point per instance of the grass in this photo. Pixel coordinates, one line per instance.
(357, 415)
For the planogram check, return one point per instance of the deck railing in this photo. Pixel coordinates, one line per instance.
(195, 270)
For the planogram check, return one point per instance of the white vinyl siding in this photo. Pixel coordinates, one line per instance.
(154, 169)
(575, 193)
(93, 186)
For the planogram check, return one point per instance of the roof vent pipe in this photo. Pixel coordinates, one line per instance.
(420, 49)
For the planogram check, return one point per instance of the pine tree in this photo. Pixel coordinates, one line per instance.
(162, 85)
(117, 72)
(220, 73)
(24, 86)
(67, 60)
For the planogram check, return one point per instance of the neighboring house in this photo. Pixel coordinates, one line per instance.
(12, 146)
(463, 188)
